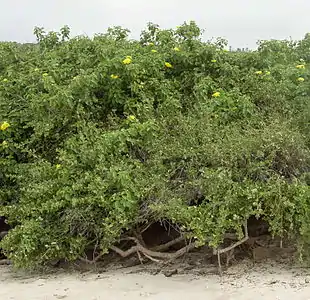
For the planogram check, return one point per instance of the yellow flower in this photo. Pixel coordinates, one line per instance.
(5, 80)
(151, 44)
(267, 73)
(259, 72)
(300, 66)
(45, 74)
(168, 65)
(154, 51)
(131, 118)
(176, 49)
(301, 79)
(127, 60)
(216, 94)
(4, 126)
(114, 76)
(58, 166)
(213, 60)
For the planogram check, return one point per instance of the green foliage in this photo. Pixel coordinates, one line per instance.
(107, 133)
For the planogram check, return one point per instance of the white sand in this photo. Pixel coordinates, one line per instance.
(240, 284)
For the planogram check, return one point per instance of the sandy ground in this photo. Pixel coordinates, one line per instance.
(240, 282)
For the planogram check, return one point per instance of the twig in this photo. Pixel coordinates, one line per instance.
(140, 257)
(94, 251)
(146, 227)
(138, 235)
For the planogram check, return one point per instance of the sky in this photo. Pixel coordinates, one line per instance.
(241, 22)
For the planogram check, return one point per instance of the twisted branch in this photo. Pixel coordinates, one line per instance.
(152, 253)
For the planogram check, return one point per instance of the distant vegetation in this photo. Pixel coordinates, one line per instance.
(101, 137)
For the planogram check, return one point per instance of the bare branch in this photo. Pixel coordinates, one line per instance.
(151, 253)
(246, 237)
(169, 244)
(151, 258)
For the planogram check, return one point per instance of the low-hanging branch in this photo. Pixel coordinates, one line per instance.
(166, 246)
(233, 246)
(152, 253)
(156, 252)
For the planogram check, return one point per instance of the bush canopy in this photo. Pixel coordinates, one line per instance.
(100, 136)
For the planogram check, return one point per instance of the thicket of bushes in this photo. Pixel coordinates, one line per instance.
(102, 135)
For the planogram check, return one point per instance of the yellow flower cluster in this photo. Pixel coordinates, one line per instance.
(261, 72)
(154, 51)
(176, 49)
(114, 76)
(216, 95)
(213, 60)
(168, 65)
(127, 60)
(301, 66)
(4, 126)
(131, 118)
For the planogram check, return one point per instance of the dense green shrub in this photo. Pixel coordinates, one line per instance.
(107, 133)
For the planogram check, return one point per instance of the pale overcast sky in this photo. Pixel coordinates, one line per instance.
(242, 22)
